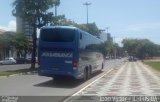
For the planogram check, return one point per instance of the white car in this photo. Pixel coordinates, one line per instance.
(8, 61)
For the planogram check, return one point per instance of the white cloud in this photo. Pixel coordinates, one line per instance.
(10, 27)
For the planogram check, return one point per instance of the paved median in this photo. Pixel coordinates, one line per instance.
(132, 79)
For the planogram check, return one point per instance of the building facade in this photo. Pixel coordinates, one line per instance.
(106, 37)
(1, 45)
(24, 27)
(109, 38)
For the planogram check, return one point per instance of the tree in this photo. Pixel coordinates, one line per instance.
(11, 40)
(58, 20)
(158, 50)
(107, 48)
(6, 40)
(36, 14)
(142, 48)
(130, 45)
(93, 29)
(90, 28)
(21, 44)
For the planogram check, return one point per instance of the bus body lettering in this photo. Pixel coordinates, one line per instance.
(51, 54)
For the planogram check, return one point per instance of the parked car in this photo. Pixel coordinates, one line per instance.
(132, 58)
(107, 58)
(22, 61)
(8, 61)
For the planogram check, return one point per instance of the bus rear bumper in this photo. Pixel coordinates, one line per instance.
(50, 73)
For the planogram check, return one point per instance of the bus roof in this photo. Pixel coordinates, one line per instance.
(70, 27)
(64, 27)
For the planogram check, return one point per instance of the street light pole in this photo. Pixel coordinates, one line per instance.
(87, 4)
(115, 47)
(55, 10)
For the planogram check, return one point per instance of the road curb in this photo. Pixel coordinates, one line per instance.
(110, 70)
(27, 73)
(3, 77)
(67, 100)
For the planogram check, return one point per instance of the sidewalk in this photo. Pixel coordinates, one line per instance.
(132, 79)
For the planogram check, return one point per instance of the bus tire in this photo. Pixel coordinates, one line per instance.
(85, 75)
(89, 72)
(102, 66)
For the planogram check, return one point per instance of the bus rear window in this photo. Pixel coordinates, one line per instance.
(57, 35)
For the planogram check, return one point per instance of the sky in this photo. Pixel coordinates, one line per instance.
(125, 18)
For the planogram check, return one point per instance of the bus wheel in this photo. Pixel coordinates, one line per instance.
(85, 75)
(102, 66)
(89, 72)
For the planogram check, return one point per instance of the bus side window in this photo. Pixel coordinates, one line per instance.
(80, 35)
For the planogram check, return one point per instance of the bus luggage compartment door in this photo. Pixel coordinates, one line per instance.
(57, 62)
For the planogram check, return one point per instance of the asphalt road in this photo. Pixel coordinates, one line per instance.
(34, 85)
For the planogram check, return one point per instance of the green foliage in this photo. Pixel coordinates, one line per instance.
(58, 20)
(142, 48)
(56, 2)
(6, 39)
(107, 48)
(97, 47)
(14, 40)
(158, 50)
(90, 28)
(8, 73)
(21, 43)
(153, 64)
(35, 12)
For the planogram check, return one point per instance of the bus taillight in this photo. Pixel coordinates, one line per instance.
(75, 63)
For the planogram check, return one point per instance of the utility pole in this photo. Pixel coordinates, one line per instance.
(108, 34)
(55, 10)
(115, 47)
(87, 4)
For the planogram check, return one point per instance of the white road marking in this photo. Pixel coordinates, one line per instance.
(80, 91)
(66, 100)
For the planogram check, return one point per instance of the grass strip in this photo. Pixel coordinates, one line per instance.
(154, 64)
(7, 73)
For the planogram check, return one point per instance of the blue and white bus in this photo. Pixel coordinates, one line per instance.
(63, 51)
